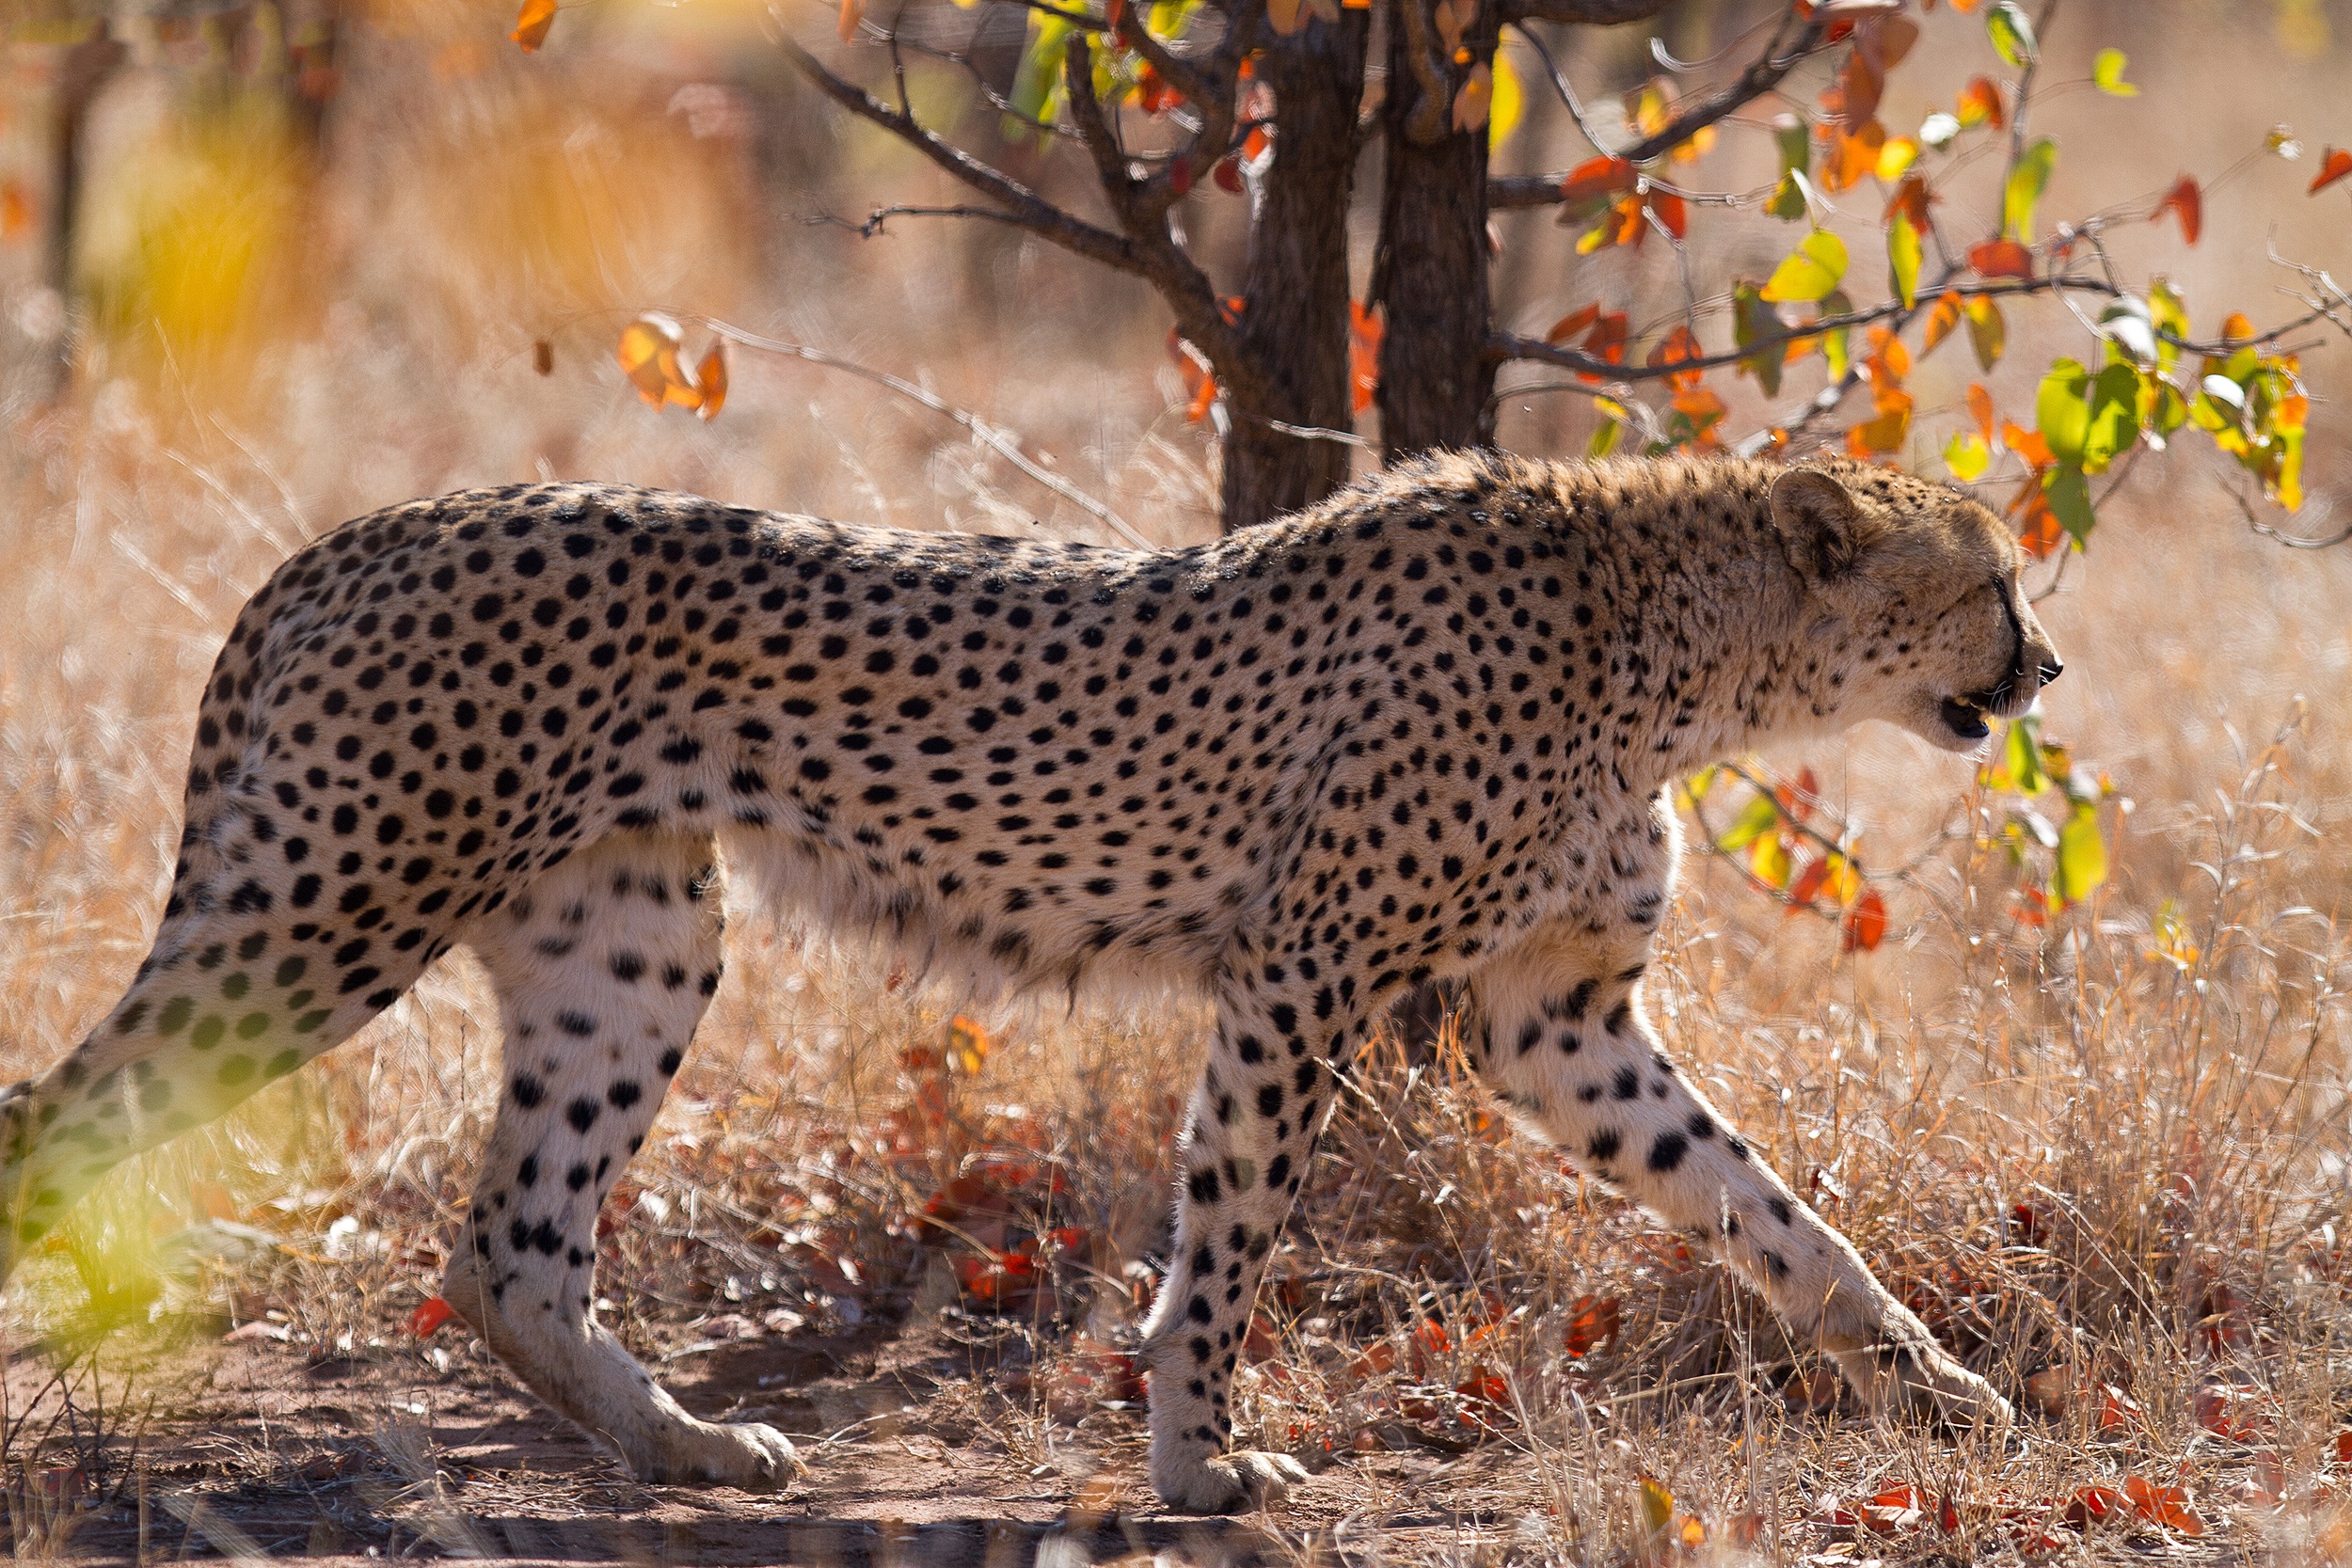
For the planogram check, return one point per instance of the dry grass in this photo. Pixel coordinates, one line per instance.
(2091, 1165)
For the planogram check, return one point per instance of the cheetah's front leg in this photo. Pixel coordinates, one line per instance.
(1570, 1054)
(1246, 1142)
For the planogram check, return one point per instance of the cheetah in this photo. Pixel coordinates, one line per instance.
(1421, 732)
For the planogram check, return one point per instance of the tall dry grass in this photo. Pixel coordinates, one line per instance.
(2096, 1161)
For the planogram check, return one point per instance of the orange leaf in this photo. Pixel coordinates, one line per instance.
(1865, 923)
(2334, 164)
(1943, 319)
(2001, 259)
(1676, 346)
(1981, 104)
(1364, 331)
(1203, 399)
(1596, 178)
(2167, 1505)
(2091, 1505)
(16, 209)
(2027, 444)
(1808, 883)
(429, 1316)
(1606, 340)
(2041, 534)
(710, 376)
(1911, 199)
(648, 353)
(1592, 1323)
(2190, 203)
(2235, 328)
(530, 27)
(1851, 157)
(1980, 409)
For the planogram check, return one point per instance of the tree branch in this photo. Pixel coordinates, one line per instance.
(1763, 75)
(1506, 345)
(1022, 205)
(1597, 13)
(1141, 208)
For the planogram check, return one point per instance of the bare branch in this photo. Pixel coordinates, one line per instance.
(1597, 13)
(1796, 36)
(996, 439)
(1506, 345)
(1022, 205)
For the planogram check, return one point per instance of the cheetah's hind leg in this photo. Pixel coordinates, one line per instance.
(603, 966)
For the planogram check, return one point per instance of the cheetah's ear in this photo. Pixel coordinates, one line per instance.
(1821, 526)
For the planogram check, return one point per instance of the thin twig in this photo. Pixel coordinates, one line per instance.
(996, 439)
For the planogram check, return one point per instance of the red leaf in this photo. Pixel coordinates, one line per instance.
(429, 1316)
(2190, 203)
(2167, 1505)
(1364, 330)
(1593, 1322)
(1228, 174)
(1669, 212)
(1865, 923)
(2092, 1505)
(2001, 259)
(1596, 178)
(1573, 322)
(2334, 164)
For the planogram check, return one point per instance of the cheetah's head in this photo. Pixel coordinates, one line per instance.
(1922, 584)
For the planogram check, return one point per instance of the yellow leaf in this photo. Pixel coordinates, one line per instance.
(1768, 858)
(1810, 270)
(1897, 154)
(530, 27)
(1657, 1506)
(711, 378)
(1510, 102)
(648, 353)
(1967, 457)
(967, 1044)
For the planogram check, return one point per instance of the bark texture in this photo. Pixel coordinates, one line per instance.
(1294, 332)
(1437, 379)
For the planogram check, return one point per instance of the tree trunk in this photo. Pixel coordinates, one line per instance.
(1429, 276)
(1294, 327)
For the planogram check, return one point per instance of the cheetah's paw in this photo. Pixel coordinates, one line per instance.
(1231, 1482)
(746, 1454)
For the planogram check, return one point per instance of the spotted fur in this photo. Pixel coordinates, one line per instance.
(1420, 732)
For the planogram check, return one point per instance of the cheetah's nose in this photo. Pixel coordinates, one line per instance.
(2050, 669)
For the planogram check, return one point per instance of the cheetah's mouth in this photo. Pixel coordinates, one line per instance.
(1965, 717)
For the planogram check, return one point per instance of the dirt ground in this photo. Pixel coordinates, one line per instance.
(269, 1451)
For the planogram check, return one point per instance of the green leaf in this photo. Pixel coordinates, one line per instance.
(2061, 410)
(1967, 457)
(2069, 495)
(2166, 312)
(2023, 193)
(2114, 422)
(1037, 85)
(1762, 816)
(1902, 260)
(2082, 854)
(1752, 320)
(2162, 409)
(1834, 350)
(2021, 756)
(1796, 143)
(1604, 439)
(2011, 34)
(1793, 198)
(1988, 332)
(1808, 272)
(2106, 70)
